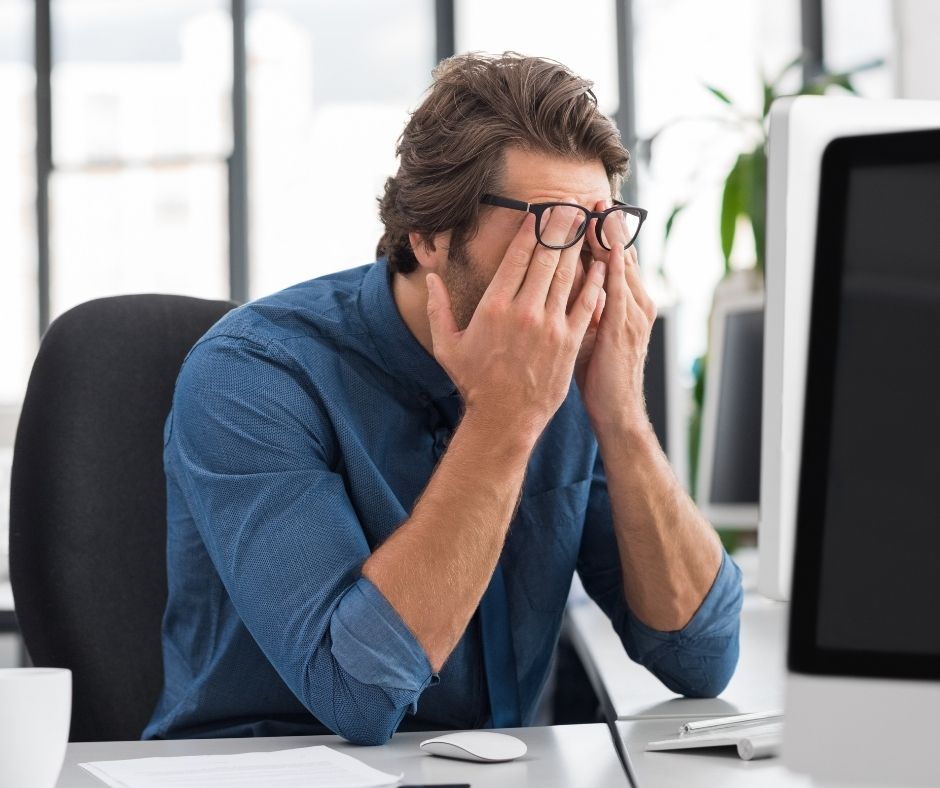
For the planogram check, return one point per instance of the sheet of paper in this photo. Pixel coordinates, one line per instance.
(305, 767)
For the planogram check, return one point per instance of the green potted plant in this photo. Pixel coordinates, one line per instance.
(743, 204)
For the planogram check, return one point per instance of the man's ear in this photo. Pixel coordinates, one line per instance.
(430, 251)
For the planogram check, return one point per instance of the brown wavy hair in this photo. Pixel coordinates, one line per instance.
(451, 151)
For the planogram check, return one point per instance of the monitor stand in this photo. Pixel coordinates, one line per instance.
(863, 731)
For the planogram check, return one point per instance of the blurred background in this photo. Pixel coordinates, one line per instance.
(140, 150)
(229, 149)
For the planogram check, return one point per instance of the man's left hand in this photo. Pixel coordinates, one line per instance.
(609, 370)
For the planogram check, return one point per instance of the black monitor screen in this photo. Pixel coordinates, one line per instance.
(656, 382)
(736, 458)
(867, 575)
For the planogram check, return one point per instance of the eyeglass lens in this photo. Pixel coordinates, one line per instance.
(617, 226)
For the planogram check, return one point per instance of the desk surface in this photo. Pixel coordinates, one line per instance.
(628, 691)
(567, 756)
(686, 768)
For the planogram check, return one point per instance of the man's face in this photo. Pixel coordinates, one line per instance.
(532, 178)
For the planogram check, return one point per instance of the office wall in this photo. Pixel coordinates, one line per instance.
(917, 26)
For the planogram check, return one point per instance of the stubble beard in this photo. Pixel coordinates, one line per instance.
(464, 284)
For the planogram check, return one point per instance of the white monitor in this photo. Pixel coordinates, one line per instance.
(728, 483)
(863, 683)
(800, 130)
(662, 387)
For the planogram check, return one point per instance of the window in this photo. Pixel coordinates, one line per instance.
(330, 86)
(584, 38)
(141, 96)
(18, 288)
(680, 47)
(857, 32)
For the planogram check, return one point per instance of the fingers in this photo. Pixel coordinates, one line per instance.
(599, 310)
(512, 270)
(566, 275)
(597, 251)
(559, 226)
(620, 294)
(444, 328)
(586, 304)
(635, 283)
(614, 229)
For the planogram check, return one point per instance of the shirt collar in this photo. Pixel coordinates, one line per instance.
(403, 356)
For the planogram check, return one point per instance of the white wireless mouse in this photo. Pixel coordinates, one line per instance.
(481, 746)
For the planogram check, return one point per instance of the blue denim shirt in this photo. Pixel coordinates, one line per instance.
(304, 427)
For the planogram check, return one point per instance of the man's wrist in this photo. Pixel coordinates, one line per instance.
(620, 421)
(624, 430)
(517, 439)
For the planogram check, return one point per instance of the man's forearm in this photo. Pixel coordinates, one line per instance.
(434, 569)
(669, 553)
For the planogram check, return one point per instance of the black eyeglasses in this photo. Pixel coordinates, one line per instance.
(631, 216)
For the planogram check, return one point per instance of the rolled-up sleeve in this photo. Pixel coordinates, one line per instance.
(255, 458)
(698, 660)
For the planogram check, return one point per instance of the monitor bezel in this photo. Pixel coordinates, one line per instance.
(805, 655)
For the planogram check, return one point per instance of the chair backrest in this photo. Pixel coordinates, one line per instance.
(88, 501)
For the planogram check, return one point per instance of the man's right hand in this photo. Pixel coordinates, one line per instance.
(513, 363)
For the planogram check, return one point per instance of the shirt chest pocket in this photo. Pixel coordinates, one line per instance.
(543, 544)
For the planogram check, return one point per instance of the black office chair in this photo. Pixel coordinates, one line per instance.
(88, 501)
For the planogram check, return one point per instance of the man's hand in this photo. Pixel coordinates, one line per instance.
(513, 367)
(610, 366)
(513, 363)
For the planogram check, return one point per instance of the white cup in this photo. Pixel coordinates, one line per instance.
(35, 712)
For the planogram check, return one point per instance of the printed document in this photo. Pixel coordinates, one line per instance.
(304, 767)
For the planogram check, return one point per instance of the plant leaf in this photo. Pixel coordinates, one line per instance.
(797, 61)
(720, 94)
(770, 95)
(676, 210)
(731, 208)
(757, 204)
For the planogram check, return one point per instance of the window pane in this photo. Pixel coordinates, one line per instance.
(141, 108)
(584, 37)
(138, 229)
(140, 80)
(857, 32)
(18, 284)
(330, 85)
(681, 47)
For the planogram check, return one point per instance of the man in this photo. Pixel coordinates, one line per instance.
(381, 482)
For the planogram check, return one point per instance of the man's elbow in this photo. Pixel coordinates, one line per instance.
(365, 736)
(717, 670)
(368, 720)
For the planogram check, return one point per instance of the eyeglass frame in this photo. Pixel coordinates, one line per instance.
(539, 208)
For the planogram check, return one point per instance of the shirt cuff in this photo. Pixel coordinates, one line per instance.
(373, 645)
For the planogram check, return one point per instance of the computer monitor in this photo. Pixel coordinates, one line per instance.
(662, 387)
(800, 130)
(728, 483)
(863, 687)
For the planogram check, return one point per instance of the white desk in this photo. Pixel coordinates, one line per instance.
(628, 691)
(692, 768)
(567, 756)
